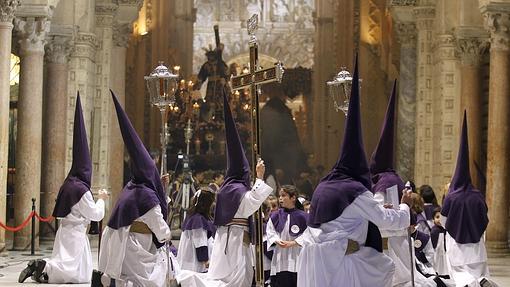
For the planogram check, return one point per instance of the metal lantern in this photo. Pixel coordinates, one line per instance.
(340, 90)
(162, 85)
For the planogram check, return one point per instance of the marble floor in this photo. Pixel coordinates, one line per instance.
(14, 261)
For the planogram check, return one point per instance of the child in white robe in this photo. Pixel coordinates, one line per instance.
(283, 229)
(197, 237)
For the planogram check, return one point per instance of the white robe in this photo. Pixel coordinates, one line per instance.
(133, 258)
(441, 263)
(284, 259)
(71, 259)
(398, 251)
(233, 268)
(468, 262)
(323, 262)
(187, 255)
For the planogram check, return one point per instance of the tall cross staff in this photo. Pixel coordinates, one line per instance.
(255, 78)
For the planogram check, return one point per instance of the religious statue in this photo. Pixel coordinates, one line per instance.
(217, 74)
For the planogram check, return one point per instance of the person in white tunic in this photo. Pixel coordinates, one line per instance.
(283, 230)
(231, 261)
(464, 216)
(388, 188)
(197, 238)
(437, 237)
(342, 245)
(71, 258)
(133, 250)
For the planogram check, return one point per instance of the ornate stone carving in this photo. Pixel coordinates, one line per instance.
(406, 33)
(403, 2)
(58, 49)
(498, 24)
(424, 12)
(290, 40)
(104, 14)
(121, 34)
(7, 8)
(85, 46)
(137, 3)
(31, 33)
(470, 50)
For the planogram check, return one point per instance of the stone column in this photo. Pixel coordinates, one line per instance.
(470, 50)
(31, 33)
(121, 34)
(423, 167)
(100, 139)
(406, 33)
(7, 8)
(497, 20)
(57, 54)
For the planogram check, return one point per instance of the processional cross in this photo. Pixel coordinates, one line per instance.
(253, 79)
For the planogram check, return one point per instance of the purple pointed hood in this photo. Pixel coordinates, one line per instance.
(349, 177)
(78, 180)
(144, 191)
(381, 162)
(464, 206)
(237, 177)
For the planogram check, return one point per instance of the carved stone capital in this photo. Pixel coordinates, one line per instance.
(31, 33)
(406, 34)
(470, 50)
(7, 8)
(403, 2)
(137, 3)
(498, 24)
(58, 49)
(121, 34)
(85, 46)
(105, 14)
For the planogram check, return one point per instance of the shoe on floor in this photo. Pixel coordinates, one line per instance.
(28, 271)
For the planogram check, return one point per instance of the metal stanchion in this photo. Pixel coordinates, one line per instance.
(32, 240)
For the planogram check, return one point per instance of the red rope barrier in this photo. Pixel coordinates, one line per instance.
(44, 219)
(21, 226)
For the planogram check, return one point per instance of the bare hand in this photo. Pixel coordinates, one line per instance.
(165, 179)
(407, 198)
(261, 169)
(102, 194)
(280, 243)
(286, 244)
(388, 205)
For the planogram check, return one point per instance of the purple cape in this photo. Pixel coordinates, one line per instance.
(349, 177)
(144, 191)
(78, 180)
(198, 221)
(237, 177)
(384, 180)
(297, 218)
(464, 206)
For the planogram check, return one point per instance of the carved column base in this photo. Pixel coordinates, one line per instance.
(497, 248)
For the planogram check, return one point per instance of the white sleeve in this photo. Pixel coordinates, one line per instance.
(154, 220)
(385, 218)
(93, 211)
(379, 197)
(301, 238)
(272, 235)
(199, 237)
(253, 199)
